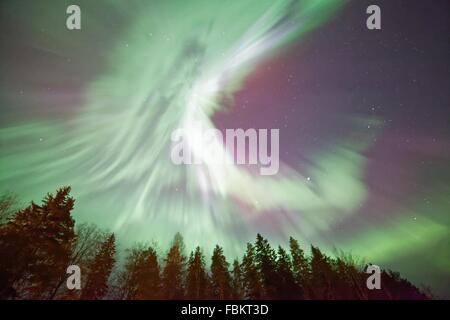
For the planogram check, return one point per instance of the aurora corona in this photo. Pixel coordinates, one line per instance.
(121, 137)
(96, 108)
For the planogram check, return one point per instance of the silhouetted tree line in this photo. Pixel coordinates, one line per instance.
(39, 242)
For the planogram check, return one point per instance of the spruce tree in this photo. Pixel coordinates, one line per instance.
(287, 287)
(265, 260)
(197, 282)
(300, 267)
(237, 282)
(99, 270)
(149, 277)
(174, 270)
(321, 275)
(36, 247)
(141, 278)
(252, 283)
(220, 276)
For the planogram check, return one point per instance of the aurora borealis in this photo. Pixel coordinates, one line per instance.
(363, 118)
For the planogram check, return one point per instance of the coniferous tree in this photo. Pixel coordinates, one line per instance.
(300, 267)
(220, 276)
(349, 281)
(350, 270)
(141, 278)
(96, 285)
(322, 276)
(36, 247)
(197, 281)
(396, 288)
(252, 282)
(286, 287)
(174, 270)
(237, 282)
(149, 287)
(265, 260)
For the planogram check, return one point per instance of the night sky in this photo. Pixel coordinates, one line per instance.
(363, 118)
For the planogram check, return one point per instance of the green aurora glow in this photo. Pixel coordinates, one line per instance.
(172, 63)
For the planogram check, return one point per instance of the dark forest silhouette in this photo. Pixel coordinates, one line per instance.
(39, 242)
